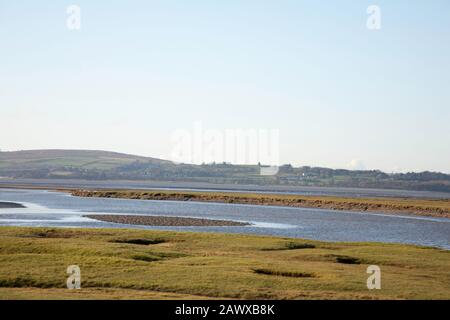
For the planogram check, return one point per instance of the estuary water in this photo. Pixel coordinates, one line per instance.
(204, 186)
(56, 209)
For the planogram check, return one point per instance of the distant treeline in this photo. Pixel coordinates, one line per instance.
(237, 174)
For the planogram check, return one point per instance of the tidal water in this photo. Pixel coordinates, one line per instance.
(203, 186)
(56, 209)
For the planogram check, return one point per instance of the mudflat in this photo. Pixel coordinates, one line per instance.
(407, 206)
(162, 221)
(10, 205)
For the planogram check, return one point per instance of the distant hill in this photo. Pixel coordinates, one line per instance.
(48, 163)
(70, 157)
(104, 165)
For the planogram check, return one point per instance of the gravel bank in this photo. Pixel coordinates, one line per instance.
(161, 221)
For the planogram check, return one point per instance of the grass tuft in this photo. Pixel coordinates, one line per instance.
(292, 246)
(25, 282)
(46, 234)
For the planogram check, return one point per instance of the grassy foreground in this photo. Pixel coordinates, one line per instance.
(422, 207)
(137, 264)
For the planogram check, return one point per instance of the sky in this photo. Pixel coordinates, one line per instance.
(341, 95)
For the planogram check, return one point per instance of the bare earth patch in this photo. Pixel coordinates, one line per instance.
(162, 221)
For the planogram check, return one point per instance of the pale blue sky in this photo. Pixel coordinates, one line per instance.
(138, 70)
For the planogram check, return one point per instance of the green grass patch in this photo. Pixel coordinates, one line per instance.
(33, 261)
